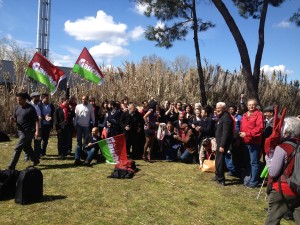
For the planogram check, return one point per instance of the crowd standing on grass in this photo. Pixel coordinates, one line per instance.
(172, 131)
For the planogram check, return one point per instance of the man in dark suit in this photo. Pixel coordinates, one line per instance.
(224, 135)
(132, 124)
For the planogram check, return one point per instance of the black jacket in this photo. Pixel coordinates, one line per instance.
(224, 130)
(135, 121)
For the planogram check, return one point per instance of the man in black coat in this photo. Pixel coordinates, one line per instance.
(224, 135)
(63, 121)
(132, 124)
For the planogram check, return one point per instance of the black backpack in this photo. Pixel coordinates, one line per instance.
(8, 179)
(29, 186)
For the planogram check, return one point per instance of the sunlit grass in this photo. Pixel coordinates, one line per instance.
(160, 193)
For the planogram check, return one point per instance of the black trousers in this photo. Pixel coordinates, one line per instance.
(24, 143)
(45, 133)
(135, 142)
(220, 165)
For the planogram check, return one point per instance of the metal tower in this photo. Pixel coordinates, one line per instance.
(43, 27)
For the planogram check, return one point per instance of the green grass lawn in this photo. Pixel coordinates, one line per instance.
(160, 193)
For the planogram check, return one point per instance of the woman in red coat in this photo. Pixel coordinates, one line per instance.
(252, 127)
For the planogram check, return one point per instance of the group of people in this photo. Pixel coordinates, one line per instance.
(188, 133)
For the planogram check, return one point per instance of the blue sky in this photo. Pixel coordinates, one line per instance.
(112, 30)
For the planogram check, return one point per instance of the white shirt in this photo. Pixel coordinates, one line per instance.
(83, 115)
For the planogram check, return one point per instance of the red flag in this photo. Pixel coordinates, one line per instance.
(274, 139)
(43, 71)
(114, 148)
(87, 68)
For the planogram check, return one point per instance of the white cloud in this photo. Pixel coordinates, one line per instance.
(284, 24)
(111, 36)
(137, 33)
(19, 43)
(107, 50)
(1, 3)
(99, 28)
(140, 9)
(62, 60)
(160, 24)
(270, 69)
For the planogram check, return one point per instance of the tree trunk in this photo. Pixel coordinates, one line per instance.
(198, 57)
(261, 44)
(252, 90)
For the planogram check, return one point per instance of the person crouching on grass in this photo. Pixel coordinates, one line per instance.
(208, 147)
(92, 147)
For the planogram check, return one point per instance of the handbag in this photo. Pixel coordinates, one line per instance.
(208, 165)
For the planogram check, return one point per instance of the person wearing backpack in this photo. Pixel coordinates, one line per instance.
(283, 165)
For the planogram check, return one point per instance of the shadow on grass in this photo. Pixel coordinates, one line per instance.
(234, 181)
(56, 158)
(57, 166)
(49, 198)
(70, 155)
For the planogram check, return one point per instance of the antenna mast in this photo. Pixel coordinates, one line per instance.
(43, 27)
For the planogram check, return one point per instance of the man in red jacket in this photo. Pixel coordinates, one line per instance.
(252, 127)
(282, 201)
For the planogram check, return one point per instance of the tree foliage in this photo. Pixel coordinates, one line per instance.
(296, 18)
(257, 9)
(177, 19)
(253, 8)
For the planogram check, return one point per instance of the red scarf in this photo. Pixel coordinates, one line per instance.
(66, 111)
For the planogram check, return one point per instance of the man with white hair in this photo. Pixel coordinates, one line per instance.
(280, 165)
(224, 135)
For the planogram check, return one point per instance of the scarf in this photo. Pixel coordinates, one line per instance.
(66, 111)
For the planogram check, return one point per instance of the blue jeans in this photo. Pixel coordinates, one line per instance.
(171, 152)
(186, 157)
(81, 131)
(91, 153)
(252, 165)
(234, 169)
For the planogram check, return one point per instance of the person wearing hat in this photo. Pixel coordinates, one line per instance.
(269, 118)
(35, 100)
(268, 126)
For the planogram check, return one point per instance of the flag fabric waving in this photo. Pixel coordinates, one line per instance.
(43, 71)
(114, 149)
(87, 68)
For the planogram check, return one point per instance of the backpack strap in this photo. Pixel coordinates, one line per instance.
(284, 168)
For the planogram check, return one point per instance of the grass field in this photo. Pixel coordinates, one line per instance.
(160, 193)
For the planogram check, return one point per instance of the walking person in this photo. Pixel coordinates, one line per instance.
(28, 127)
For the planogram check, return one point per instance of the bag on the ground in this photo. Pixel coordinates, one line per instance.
(4, 137)
(29, 186)
(209, 165)
(8, 179)
(124, 169)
